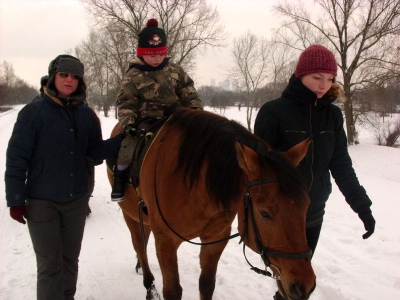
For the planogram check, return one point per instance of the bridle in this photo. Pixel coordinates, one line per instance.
(262, 250)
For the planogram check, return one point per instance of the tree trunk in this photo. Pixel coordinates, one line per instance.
(348, 112)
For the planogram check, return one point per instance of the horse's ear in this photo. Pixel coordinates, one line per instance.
(247, 158)
(296, 154)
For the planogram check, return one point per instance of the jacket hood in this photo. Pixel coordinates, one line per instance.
(78, 95)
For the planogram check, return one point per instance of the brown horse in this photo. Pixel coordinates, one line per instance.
(202, 170)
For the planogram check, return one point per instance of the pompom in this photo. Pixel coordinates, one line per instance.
(151, 23)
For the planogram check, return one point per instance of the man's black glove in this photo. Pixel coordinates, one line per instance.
(130, 130)
(369, 223)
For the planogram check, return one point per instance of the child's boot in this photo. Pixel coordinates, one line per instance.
(118, 190)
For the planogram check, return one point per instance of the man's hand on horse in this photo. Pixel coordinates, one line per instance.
(130, 130)
(369, 223)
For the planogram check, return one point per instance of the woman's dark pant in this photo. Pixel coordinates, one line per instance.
(312, 235)
(56, 228)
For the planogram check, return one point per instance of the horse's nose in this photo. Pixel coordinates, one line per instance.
(298, 291)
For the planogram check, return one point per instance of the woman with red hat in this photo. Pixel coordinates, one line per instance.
(305, 109)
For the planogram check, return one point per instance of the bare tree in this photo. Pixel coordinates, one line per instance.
(388, 133)
(250, 54)
(281, 64)
(14, 90)
(7, 74)
(105, 54)
(362, 34)
(188, 24)
(207, 93)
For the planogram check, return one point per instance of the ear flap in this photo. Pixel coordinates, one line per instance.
(296, 154)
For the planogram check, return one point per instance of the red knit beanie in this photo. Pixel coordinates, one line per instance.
(316, 59)
(152, 40)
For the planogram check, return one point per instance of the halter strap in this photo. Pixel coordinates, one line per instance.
(262, 250)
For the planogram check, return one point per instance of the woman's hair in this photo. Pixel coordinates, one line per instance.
(335, 92)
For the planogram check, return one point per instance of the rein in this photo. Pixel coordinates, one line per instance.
(262, 250)
(189, 241)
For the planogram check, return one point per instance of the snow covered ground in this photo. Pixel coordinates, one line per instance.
(347, 267)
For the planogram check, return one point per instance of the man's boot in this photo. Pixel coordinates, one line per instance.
(118, 190)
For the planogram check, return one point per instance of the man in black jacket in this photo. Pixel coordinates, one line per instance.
(47, 174)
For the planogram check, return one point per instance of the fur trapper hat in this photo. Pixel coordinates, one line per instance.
(67, 64)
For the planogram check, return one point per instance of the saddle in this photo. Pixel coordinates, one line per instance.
(143, 141)
(145, 138)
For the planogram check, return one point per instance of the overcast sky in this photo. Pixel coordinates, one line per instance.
(33, 32)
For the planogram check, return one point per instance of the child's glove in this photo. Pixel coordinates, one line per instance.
(130, 130)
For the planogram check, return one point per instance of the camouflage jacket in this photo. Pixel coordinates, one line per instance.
(149, 93)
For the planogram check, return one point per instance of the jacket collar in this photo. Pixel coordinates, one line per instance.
(64, 102)
(139, 64)
(300, 94)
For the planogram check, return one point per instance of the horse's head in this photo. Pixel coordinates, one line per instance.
(272, 219)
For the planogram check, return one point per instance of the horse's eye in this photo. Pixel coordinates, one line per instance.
(265, 214)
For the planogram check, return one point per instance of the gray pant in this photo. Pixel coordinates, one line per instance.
(125, 155)
(56, 228)
(129, 144)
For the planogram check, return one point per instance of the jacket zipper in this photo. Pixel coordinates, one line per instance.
(312, 145)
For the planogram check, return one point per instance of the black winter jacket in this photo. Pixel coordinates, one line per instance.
(293, 117)
(48, 149)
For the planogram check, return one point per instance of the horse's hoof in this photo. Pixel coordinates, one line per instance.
(139, 271)
(152, 293)
(138, 268)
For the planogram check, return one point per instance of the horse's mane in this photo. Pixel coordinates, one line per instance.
(209, 137)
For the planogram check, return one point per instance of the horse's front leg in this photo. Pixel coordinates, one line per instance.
(168, 260)
(209, 258)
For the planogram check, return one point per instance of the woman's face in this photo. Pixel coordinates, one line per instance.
(318, 83)
(153, 60)
(66, 84)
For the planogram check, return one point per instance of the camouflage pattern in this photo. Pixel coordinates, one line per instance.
(148, 93)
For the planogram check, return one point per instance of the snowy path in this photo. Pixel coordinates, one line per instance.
(347, 267)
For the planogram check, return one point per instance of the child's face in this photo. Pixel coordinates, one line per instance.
(153, 60)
